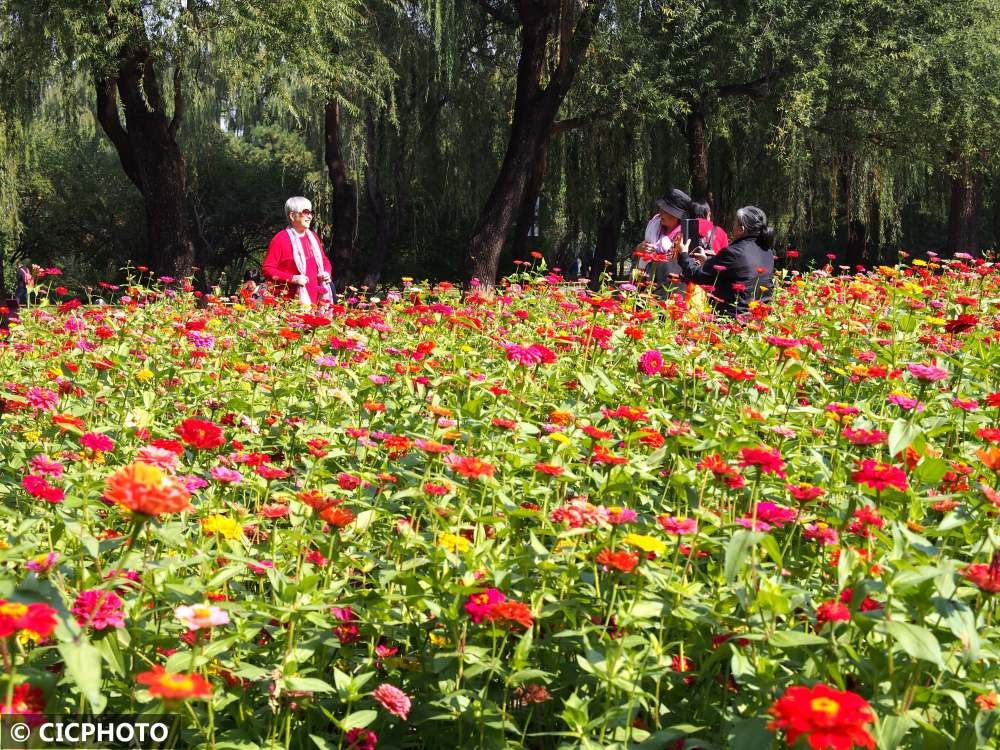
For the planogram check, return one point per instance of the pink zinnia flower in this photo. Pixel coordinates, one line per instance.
(678, 526)
(820, 532)
(161, 458)
(42, 464)
(201, 616)
(361, 739)
(927, 373)
(226, 475)
(98, 609)
(97, 442)
(393, 700)
(651, 362)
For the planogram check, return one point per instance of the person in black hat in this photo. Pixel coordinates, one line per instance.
(656, 253)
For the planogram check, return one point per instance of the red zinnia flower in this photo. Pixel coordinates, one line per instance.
(804, 492)
(623, 561)
(26, 699)
(549, 469)
(829, 719)
(879, 476)
(985, 577)
(200, 434)
(768, 460)
(36, 618)
(832, 611)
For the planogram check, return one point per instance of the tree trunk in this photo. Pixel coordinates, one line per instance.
(527, 215)
(148, 149)
(344, 212)
(857, 231)
(963, 212)
(698, 151)
(375, 199)
(535, 110)
(608, 233)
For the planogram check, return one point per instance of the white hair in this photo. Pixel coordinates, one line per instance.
(296, 204)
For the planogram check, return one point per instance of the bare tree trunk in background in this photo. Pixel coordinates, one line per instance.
(375, 198)
(343, 209)
(698, 151)
(963, 212)
(857, 231)
(609, 230)
(526, 217)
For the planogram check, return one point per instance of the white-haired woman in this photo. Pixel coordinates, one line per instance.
(295, 259)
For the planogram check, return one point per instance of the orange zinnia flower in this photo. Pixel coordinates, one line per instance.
(510, 612)
(175, 685)
(337, 516)
(623, 561)
(990, 457)
(146, 489)
(469, 466)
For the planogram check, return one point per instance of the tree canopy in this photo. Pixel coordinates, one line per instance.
(450, 138)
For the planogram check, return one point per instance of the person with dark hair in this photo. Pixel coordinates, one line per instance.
(741, 272)
(22, 280)
(713, 238)
(658, 248)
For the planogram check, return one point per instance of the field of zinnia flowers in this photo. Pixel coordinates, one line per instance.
(540, 519)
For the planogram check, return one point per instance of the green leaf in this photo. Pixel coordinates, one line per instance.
(891, 730)
(83, 667)
(917, 641)
(309, 684)
(901, 435)
(737, 550)
(358, 719)
(750, 734)
(795, 639)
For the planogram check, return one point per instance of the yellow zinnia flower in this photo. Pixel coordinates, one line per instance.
(454, 543)
(645, 543)
(217, 525)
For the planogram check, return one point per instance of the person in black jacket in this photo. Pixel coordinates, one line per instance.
(741, 272)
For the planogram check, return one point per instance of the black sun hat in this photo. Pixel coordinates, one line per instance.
(677, 203)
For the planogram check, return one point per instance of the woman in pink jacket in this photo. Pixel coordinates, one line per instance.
(295, 260)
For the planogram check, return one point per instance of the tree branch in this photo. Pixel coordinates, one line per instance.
(497, 14)
(175, 121)
(582, 121)
(757, 88)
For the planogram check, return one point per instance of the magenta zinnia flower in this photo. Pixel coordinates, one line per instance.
(651, 362)
(98, 609)
(478, 605)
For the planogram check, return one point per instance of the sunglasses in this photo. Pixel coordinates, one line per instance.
(306, 212)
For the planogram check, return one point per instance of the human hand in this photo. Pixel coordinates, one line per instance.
(685, 245)
(323, 276)
(700, 255)
(300, 279)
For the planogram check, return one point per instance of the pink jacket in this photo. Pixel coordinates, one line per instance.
(279, 266)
